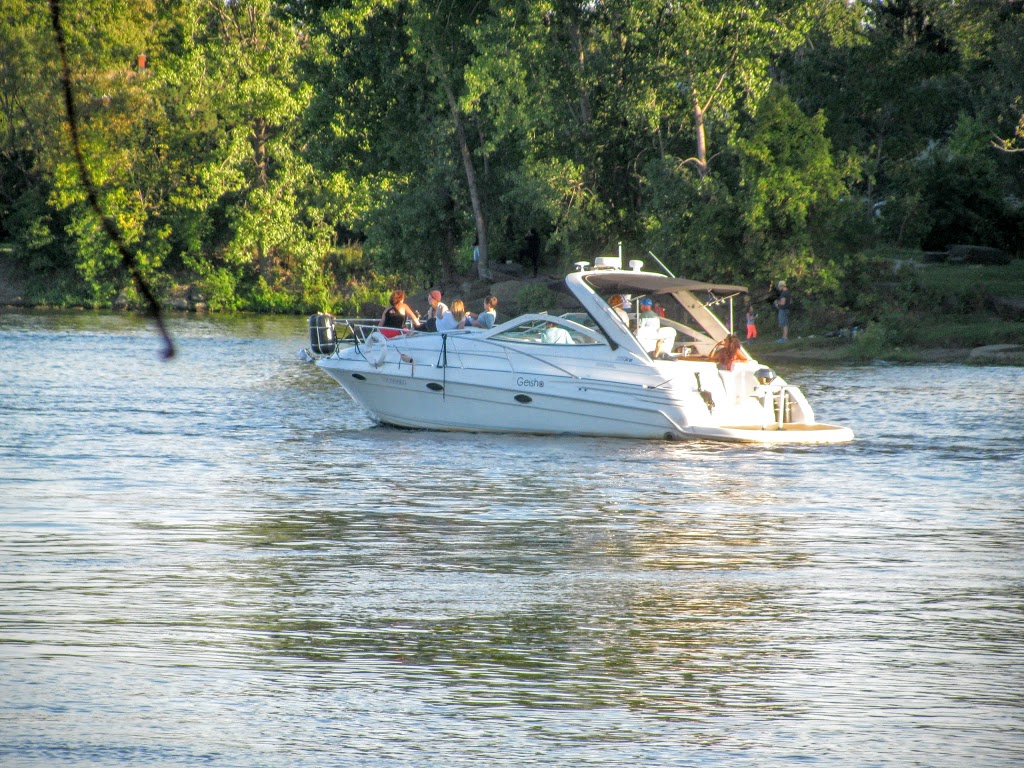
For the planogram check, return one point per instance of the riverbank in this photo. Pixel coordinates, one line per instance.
(913, 309)
(823, 350)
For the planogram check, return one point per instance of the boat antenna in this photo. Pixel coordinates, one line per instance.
(661, 264)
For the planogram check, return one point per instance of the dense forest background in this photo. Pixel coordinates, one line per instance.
(280, 155)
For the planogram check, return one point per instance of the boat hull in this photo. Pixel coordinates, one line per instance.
(509, 403)
(535, 404)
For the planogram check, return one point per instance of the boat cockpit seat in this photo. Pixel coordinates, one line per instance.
(650, 332)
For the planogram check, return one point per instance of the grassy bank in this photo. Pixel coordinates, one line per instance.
(915, 310)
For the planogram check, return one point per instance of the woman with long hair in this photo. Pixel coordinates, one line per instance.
(395, 316)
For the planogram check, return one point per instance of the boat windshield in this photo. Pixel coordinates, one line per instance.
(552, 330)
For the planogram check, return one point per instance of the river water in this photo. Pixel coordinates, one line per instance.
(219, 560)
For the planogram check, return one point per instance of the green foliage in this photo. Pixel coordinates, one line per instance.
(959, 289)
(370, 293)
(873, 343)
(692, 223)
(219, 288)
(788, 178)
(960, 333)
(264, 299)
(952, 193)
(536, 298)
(259, 135)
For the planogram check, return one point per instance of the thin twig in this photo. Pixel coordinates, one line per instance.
(109, 225)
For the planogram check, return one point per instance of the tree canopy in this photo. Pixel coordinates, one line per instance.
(274, 156)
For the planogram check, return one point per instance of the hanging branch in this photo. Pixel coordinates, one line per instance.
(109, 225)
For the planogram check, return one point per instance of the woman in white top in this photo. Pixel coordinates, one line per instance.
(452, 319)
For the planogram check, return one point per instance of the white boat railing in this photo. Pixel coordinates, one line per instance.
(358, 328)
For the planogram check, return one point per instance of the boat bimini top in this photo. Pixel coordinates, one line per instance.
(689, 314)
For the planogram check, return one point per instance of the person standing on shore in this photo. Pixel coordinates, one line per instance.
(783, 303)
(751, 323)
(533, 250)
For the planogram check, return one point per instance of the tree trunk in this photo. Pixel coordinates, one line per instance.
(258, 141)
(701, 160)
(483, 267)
(448, 270)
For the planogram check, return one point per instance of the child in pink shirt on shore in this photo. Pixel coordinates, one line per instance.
(751, 324)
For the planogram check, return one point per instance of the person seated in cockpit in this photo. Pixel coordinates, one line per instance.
(657, 341)
(616, 302)
(554, 334)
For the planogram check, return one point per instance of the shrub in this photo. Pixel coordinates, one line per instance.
(536, 298)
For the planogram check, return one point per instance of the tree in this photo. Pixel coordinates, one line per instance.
(789, 180)
(115, 250)
(230, 83)
(941, 62)
(396, 70)
(29, 133)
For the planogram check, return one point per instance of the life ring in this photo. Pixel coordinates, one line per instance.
(375, 349)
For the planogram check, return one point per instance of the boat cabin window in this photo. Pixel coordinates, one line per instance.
(532, 331)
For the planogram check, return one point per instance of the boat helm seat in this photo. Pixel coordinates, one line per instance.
(650, 332)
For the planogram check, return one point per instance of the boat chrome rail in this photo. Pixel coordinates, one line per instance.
(348, 330)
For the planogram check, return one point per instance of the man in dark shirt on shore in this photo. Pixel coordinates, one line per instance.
(782, 303)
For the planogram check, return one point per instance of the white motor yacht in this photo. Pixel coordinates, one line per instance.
(583, 373)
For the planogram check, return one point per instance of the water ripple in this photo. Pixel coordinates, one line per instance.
(222, 561)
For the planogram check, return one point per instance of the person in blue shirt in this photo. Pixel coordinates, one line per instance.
(554, 334)
(487, 318)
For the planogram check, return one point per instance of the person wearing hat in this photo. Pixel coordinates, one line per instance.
(438, 309)
(647, 308)
(782, 303)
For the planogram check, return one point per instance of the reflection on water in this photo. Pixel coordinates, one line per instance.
(220, 560)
